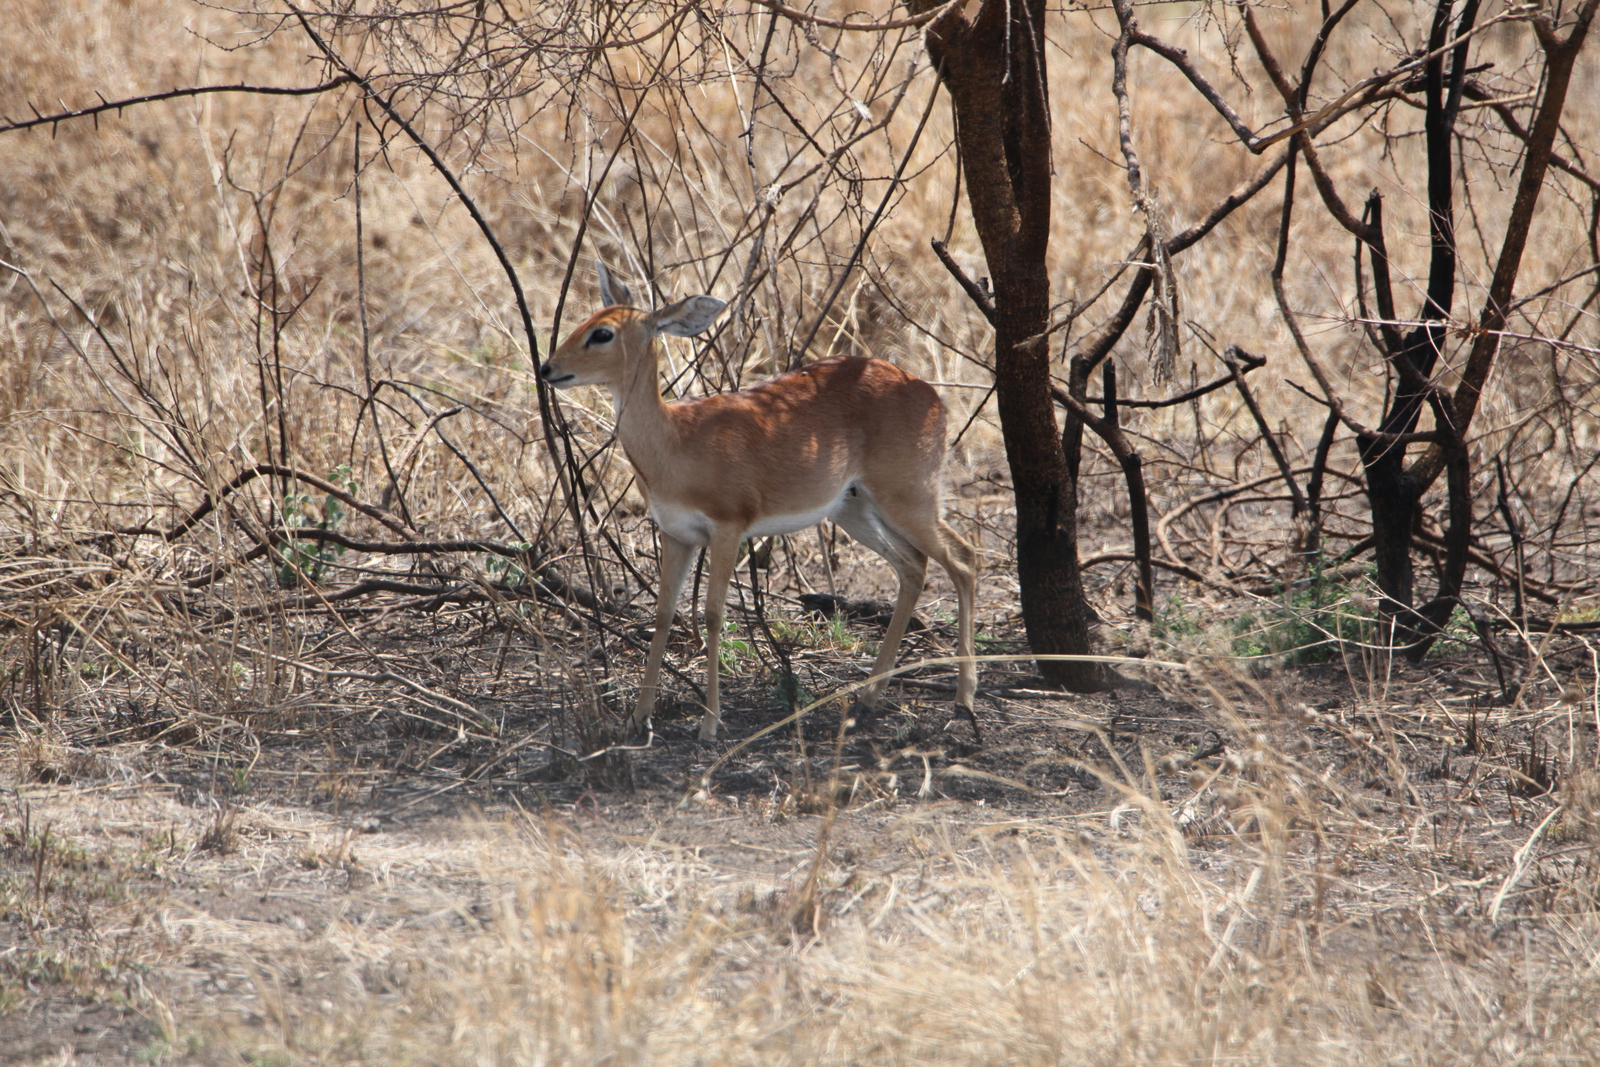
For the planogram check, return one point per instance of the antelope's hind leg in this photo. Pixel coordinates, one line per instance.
(916, 534)
(864, 519)
(960, 561)
(912, 570)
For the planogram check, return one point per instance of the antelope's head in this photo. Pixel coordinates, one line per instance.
(618, 342)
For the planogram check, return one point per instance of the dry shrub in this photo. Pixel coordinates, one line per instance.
(176, 225)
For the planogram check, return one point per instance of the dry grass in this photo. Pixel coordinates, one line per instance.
(1290, 922)
(246, 822)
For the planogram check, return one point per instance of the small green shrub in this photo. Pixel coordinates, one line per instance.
(1311, 622)
(303, 560)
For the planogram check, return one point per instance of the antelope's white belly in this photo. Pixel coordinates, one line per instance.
(785, 524)
(683, 524)
(694, 527)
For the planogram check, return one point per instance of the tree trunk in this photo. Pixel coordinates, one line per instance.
(993, 66)
(1395, 492)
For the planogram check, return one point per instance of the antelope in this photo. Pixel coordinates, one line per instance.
(855, 440)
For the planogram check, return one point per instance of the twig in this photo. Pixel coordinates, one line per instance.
(979, 296)
(806, 18)
(1514, 530)
(1247, 363)
(1338, 411)
(1231, 356)
(261, 470)
(1519, 862)
(171, 94)
(883, 205)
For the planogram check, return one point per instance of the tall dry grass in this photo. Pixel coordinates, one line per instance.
(1037, 953)
(1274, 914)
(158, 221)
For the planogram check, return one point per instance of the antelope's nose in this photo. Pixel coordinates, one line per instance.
(558, 378)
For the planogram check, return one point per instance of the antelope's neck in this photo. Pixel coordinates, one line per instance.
(644, 425)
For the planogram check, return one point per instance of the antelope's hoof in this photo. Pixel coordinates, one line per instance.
(964, 712)
(862, 716)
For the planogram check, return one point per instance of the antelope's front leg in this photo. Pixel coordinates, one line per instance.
(720, 559)
(675, 559)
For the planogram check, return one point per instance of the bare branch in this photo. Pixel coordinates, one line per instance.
(1109, 430)
(1179, 58)
(1232, 357)
(1561, 55)
(1473, 91)
(1099, 344)
(808, 19)
(172, 94)
(877, 216)
(1382, 285)
(445, 172)
(982, 299)
(1119, 89)
(1365, 92)
(1243, 193)
(1247, 363)
(1291, 99)
(1357, 428)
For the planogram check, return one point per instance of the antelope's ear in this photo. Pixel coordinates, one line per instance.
(613, 290)
(687, 317)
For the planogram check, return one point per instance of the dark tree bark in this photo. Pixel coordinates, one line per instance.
(1394, 491)
(1394, 488)
(993, 66)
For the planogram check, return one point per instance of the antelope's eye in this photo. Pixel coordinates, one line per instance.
(600, 336)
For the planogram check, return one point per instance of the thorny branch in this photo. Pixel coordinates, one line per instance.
(94, 111)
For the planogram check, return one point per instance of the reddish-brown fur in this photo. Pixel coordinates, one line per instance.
(856, 440)
(839, 418)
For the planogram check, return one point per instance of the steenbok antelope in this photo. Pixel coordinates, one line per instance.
(858, 441)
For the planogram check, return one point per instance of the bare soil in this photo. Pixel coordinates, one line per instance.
(140, 869)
